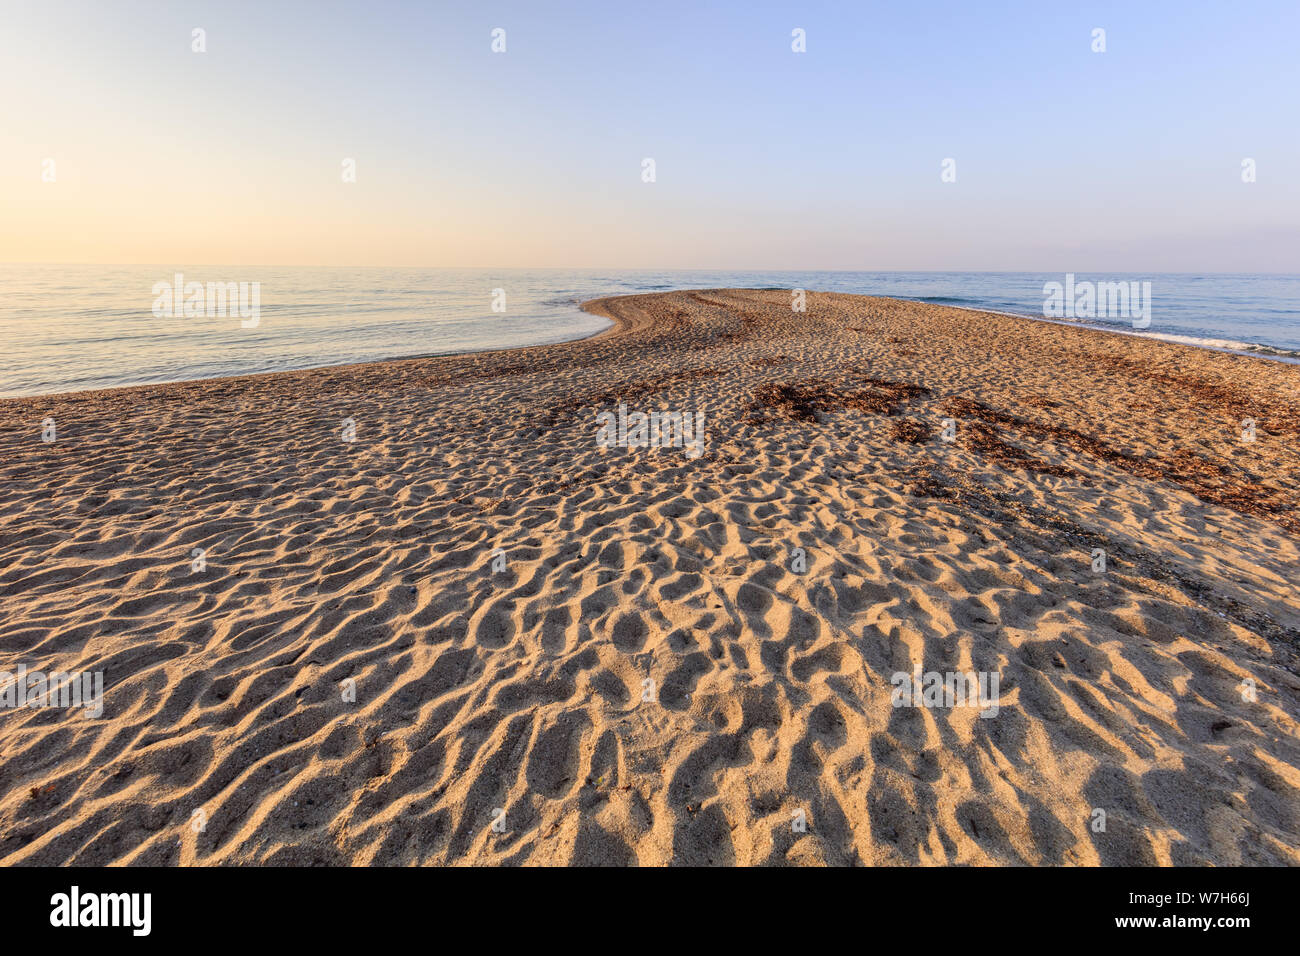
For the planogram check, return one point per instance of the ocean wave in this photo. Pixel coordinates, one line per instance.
(1227, 345)
(948, 300)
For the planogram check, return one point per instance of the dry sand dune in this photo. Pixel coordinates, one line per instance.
(522, 689)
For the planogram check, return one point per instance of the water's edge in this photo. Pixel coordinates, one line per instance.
(612, 325)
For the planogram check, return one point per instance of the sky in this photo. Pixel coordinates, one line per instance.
(1065, 159)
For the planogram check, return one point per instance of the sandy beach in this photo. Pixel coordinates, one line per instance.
(473, 635)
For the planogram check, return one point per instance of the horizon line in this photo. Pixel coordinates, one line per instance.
(599, 268)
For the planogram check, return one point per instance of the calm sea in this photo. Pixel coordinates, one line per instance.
(67, 328)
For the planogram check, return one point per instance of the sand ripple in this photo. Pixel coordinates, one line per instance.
(649, 679)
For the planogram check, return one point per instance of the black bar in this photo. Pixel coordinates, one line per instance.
(370, 907)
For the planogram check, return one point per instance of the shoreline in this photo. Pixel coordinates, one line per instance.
(311, 368)
(352, 612)
(1270, 352)
(1279, 356)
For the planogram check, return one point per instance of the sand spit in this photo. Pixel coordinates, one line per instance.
(670, 659)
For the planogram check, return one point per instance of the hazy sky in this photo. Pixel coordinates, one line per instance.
(1066, 159)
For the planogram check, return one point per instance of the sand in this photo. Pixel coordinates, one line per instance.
(502, 715)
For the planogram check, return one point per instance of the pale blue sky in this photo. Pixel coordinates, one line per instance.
(830, 159)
